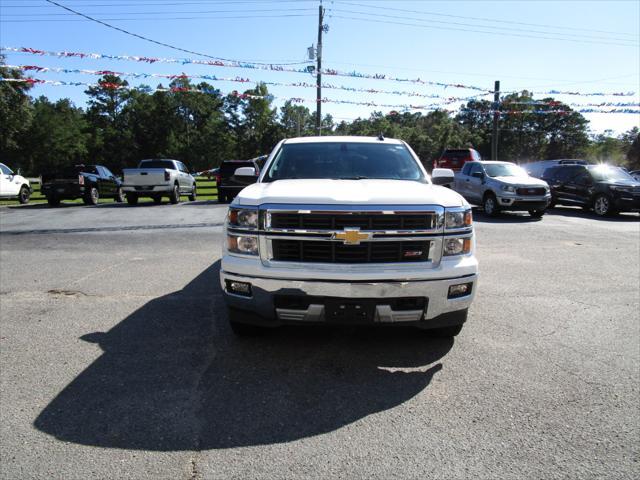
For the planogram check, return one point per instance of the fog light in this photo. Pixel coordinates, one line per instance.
(459, 290)
(239, 288)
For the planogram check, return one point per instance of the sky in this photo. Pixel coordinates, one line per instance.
(537, 45)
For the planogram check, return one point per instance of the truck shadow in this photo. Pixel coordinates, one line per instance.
(173, 377)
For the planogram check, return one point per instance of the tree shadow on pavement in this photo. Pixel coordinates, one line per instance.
(173, 377)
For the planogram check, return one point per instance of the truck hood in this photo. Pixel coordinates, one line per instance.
(524, 181)
(349, 192)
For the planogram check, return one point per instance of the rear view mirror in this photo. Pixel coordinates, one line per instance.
(442, 176)
(245, 172)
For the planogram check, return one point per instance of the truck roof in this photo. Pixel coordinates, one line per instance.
(338, 139)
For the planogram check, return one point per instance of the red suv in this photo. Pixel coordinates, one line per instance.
(455, 158)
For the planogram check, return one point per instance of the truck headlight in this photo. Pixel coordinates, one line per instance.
(458, 219)
(456, 246)
(244, 244)
(508, 188)
(243, 218)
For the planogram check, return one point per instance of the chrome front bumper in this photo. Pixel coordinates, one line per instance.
(265, 290)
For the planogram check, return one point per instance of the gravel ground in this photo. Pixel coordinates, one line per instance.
(117, 361)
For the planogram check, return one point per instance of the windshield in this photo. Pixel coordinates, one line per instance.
(504, 170)
(607, 173)
(157, 164)
(344, 161)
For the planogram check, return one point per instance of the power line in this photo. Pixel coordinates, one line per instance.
(168, 18)
(484, 19)
(478, 31)
(518, 29)
(147, 39)
(280, 10)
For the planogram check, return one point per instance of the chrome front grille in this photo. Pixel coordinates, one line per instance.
(316, 234)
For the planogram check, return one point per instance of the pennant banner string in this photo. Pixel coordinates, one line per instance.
(216, 92)
(215, 78)
(281, 68)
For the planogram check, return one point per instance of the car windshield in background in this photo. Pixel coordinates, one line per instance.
(156, 164)
(504, 170)
(344, 161)
(605, 173)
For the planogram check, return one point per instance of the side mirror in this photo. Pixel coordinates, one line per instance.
(442, 176)
(245, 172)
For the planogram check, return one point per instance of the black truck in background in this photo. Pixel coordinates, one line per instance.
(229, 184)
(88, 182)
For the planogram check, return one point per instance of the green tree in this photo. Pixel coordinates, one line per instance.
(15, 115)
(111, 139)
(56, 137)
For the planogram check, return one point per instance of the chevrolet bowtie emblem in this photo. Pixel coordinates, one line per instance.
(351, 236)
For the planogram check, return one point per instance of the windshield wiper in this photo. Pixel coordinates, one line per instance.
(359, 177)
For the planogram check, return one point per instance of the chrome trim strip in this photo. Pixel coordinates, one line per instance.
(365, 282)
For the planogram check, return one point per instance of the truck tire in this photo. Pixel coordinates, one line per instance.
(91, 197)
(490, 205)
(194, 194)
(536, 213)
(119, 196)
(241, 329)
(174, 196)
(24, 195)
(53, 201)
(157, 199)
(132, 199)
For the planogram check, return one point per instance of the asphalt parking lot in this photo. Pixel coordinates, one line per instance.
(116, 360)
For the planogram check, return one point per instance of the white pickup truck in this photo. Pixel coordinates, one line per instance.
(348, 230)
(156, 178)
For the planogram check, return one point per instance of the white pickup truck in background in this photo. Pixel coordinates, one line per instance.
(157, 178)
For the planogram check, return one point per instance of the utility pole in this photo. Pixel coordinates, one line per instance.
(496, 118)
(319, 70)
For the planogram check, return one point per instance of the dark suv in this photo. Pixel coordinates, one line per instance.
(604, 188)
(229, 184)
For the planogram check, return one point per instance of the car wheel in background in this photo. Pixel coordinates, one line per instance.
(24, 195)
(119, 196)
(536, 213)
(194, 194)
(92, 196)
(132, 199)
(174, 197)
(490, 204)
(53, 201)
(602, 205)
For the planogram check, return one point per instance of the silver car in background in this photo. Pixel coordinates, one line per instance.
(501, 186)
